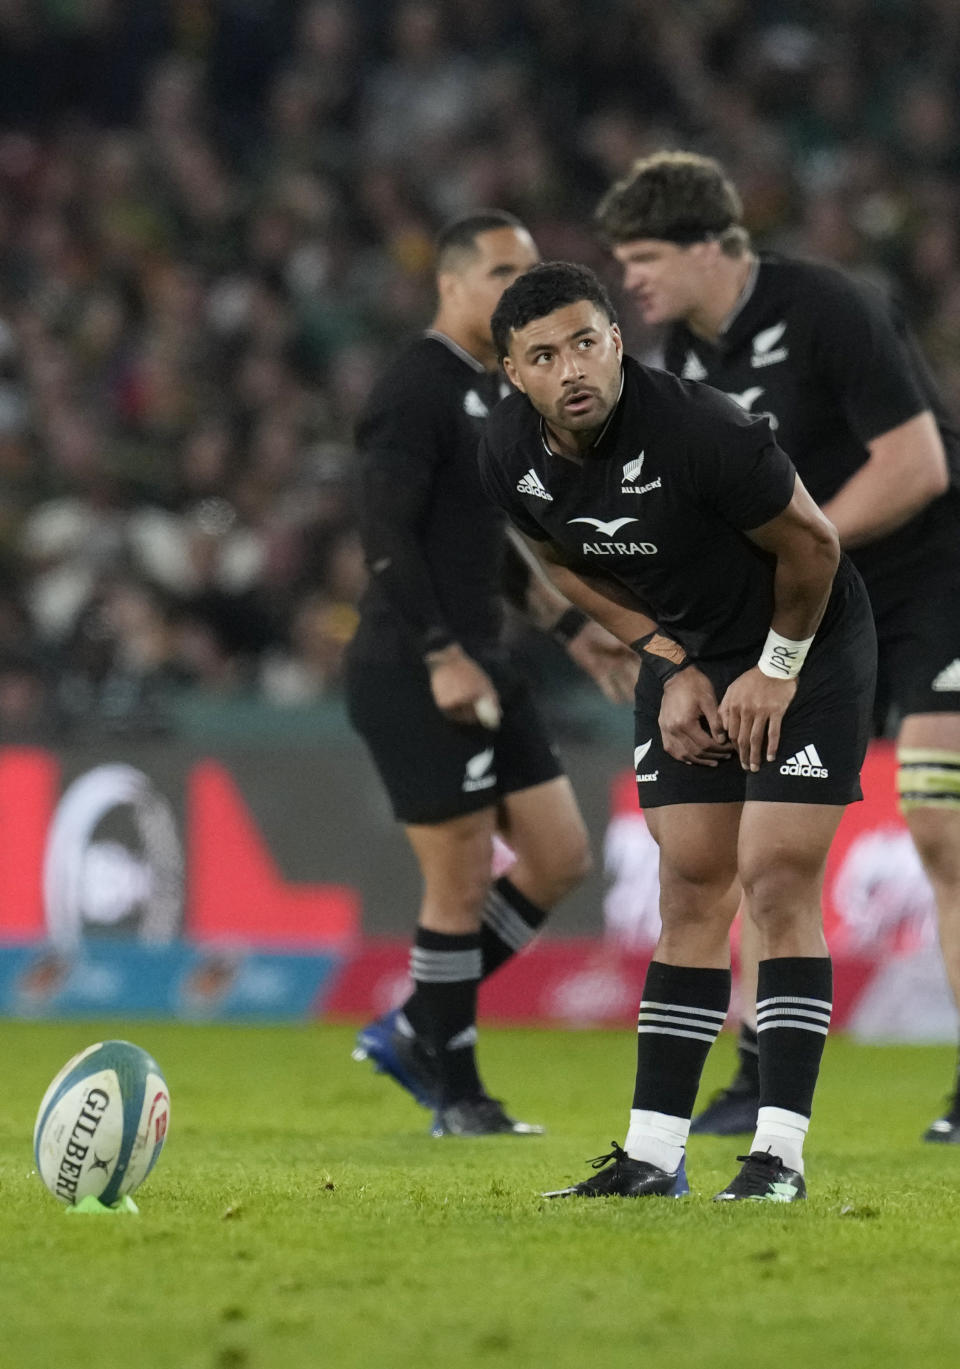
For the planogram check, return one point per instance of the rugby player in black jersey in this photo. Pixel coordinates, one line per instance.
(449, 721)
(830, 361)
(679, 524)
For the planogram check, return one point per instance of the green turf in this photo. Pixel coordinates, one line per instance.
(300, 1216)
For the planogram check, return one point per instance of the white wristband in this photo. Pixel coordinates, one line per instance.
(782, 658)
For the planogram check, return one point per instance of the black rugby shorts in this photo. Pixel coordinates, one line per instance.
(824, 734)
(434, 769)
(917, 613)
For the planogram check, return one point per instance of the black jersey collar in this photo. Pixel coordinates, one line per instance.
(456, 349)
(742, 300)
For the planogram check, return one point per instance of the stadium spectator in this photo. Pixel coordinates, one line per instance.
(223, 213)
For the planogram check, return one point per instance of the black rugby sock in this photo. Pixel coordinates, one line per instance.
(747, 1078)
(442, 1009)
(794, 1001)
(681, 1012)
(510, 922)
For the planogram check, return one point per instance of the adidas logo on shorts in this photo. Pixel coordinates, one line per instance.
(806, 763)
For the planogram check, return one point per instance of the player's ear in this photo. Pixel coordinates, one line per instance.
(447, 283)
(617, 339)
(512, 374)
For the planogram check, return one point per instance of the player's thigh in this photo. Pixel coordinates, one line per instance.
(455, 860)
(782, 850)
(545, 829)
(698, 843)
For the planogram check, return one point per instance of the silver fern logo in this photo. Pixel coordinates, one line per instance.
(631, 473)
(765, 349)
(632, 469)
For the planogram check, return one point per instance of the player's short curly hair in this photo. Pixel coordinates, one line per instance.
(677, 197)
(546, 287)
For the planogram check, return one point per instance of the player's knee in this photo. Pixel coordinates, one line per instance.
(936, 835)
(778, 897)
(556, 870)
(695, 897)
(575, 860)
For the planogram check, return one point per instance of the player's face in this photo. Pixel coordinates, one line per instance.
(502, 254)
(568, 364)
(664, 280)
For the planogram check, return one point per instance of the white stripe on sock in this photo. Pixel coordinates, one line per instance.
(683, 1007)
(675, 1031)
(509, 926)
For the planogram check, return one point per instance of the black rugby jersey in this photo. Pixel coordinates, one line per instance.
(433, 541)
(832, 364)
(660, 504)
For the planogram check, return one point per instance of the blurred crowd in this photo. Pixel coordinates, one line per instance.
(216, 223)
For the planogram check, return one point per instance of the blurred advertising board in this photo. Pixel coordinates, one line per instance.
(271, 883)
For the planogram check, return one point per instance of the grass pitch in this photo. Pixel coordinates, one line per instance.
(301, 1216)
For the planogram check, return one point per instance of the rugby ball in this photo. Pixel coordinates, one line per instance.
(102, 1123)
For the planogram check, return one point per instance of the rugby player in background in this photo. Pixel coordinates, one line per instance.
(431, 688)
(832, 364)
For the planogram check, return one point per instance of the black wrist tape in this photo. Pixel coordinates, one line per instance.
(567, 626)
(661, 667)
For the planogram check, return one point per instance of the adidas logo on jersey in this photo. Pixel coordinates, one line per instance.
(693, 368)
(765, 349)
(806, 763)
(532, 484)
(477, 774)
(630, 472)
(948, 679)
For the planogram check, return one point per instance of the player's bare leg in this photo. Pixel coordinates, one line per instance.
(929, 783)
(543, 827)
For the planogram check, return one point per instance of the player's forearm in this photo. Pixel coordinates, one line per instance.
(801, 587)
(395, 559)
(907, 468)
(868, 506)
(528, 587)
(606, 602)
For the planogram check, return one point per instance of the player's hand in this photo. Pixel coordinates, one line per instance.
(752, 710)
(613, 666)
(462, 690)
(690, 723)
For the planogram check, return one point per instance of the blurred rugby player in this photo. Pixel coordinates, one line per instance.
(432, 689)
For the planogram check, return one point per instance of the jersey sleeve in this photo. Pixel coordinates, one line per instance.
(403, 436)
(498, 490)
(863, 357)
(741, 471)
